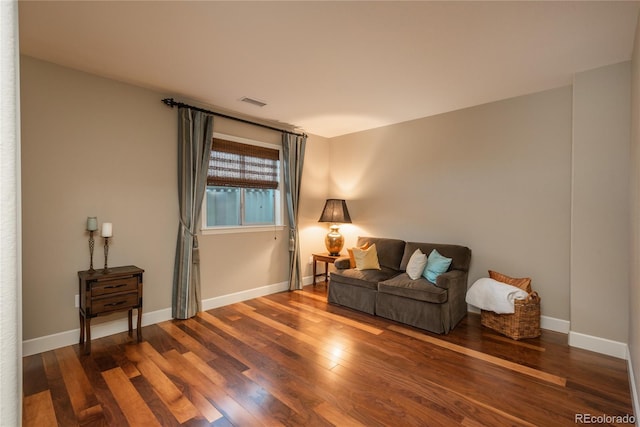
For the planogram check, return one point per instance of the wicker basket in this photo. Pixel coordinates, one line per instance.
(523, 323)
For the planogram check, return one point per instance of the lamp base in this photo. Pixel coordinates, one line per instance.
(334, 241)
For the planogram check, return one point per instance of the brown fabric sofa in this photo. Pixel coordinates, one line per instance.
(391, 293)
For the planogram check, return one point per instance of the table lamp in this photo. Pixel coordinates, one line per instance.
(335, 212)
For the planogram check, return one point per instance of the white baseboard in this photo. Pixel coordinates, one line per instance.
(632, 384)
(556, 325)
(223, 300)
(99, 330)
(599, 345)
(62, 339)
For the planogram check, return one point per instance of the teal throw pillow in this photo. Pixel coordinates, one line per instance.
(436, 265)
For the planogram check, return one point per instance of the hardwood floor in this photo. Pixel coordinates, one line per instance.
(291, 359)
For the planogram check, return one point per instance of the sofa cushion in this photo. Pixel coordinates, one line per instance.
(421, 289)
(390, 251)
(460, 255)
(362, 278)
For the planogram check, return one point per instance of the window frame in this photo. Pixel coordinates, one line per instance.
(278, 203)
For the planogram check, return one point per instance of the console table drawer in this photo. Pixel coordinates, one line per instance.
(126, 284)
(114, 303)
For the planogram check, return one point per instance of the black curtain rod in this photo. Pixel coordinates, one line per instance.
(171, 103)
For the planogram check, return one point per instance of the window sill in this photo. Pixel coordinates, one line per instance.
(245, 229)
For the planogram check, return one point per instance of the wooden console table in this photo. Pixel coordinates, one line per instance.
(327, 259)
(104, 292)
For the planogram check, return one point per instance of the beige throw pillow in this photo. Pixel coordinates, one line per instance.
(366, 259)
(352, 261)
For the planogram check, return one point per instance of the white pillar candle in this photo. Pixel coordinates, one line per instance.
(107, 229)
(92, 223)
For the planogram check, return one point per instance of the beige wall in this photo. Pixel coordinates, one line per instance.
(600, 203)
(93, 146)
(494, 177)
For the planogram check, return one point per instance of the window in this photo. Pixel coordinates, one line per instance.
(243, 185)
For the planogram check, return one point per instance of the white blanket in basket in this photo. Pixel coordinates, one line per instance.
(491, 295)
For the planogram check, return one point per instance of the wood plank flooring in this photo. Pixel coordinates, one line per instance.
(291, 359)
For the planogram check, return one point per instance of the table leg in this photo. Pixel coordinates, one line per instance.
(326, 272)
(315, 262)
(130, 315)
(138, 330)
(87, 346)
(81, 328)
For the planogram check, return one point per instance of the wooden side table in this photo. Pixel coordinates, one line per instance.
(327, 259)
(104, 292)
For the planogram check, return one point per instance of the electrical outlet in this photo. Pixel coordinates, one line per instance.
(77, 301)
(311, 259)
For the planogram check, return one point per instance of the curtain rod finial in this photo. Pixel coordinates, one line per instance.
(169, 102)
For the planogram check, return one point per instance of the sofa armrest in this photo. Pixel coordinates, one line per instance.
(342, 263)
(451, 279)
(455, 282)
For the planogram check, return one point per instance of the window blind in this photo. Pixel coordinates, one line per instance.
(234, 164)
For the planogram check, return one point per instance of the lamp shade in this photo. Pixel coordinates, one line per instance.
(335, 211)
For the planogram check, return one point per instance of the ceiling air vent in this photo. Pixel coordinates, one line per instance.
(253, 101)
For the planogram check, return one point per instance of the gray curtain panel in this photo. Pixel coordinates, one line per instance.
(293, 153)
(195, 132)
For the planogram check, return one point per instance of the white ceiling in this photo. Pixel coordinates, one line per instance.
(331, 67)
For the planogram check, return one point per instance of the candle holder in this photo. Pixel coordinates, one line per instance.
(92, 244)
(106, 254)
